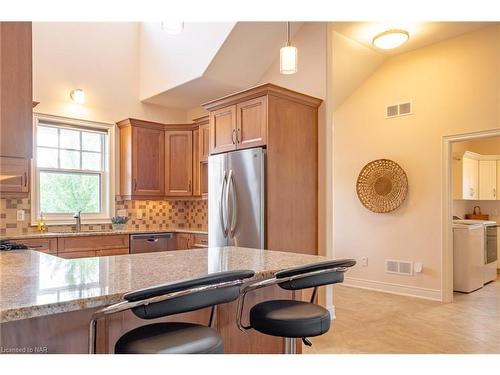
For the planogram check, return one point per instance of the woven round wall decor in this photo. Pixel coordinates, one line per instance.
(382, 186)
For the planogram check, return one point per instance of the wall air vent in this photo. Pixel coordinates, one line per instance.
(392, 110)
(396, 110)
(400, 267)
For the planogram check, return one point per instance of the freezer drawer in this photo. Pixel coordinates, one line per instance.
(149, 243)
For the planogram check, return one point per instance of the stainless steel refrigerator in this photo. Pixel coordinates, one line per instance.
(236, 202)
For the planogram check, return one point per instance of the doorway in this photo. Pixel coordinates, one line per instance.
(449, 142)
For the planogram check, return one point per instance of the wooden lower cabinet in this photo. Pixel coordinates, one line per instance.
(45, 245)
(186, 241)
(200, 240)
(91, 246)
(182, 241)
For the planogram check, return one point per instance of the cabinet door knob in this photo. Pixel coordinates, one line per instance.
(233, 137)
(135, 184)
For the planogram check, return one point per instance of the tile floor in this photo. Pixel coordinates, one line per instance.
(375, 322)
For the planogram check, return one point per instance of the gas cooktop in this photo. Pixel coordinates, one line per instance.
(6, 245)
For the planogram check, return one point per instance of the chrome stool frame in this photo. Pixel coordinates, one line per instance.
(126, 305)
(290, 342)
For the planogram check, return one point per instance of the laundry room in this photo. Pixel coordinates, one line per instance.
(476, 212)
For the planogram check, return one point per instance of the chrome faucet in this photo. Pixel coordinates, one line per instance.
(78, 217)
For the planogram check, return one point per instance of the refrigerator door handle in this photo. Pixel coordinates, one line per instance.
(229, 213)
(221, 206)
(234, 205)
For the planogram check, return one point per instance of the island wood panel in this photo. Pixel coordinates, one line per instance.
(250, 341)
(45, 245)
(16, 90)
(68, 333)
(292, 177)
(179, 162)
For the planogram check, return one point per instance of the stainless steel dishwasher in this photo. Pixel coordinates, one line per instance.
(151, 242)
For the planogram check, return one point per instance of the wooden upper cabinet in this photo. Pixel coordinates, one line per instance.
(223, 130)
(142, 160)
(179, 162)
(14, 175)
(251, 123)
(148, 168)
(204, 142)
(196, 163)
(16, 92)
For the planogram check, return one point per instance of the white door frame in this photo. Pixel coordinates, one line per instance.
(447, 253)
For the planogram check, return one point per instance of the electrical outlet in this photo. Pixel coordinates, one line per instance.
(121, 212)
(138, 214)
(418, 267)
(20, 215)
(364, 262)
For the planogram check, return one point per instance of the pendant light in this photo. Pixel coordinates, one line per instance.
(288, 55)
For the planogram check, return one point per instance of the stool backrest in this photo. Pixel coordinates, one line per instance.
(189, 294)
(314, 275)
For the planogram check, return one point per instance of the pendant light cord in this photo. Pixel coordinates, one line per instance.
(288, 33)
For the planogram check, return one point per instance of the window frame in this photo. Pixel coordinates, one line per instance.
(107, 175)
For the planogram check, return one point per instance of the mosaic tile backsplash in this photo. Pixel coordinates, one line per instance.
(160, 215)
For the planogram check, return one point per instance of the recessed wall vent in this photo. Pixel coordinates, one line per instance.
(396, 110)
(400, 267)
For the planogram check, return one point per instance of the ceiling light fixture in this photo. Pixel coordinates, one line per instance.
(171, 27)
(288, 55)
(78, 96)
(391, 39)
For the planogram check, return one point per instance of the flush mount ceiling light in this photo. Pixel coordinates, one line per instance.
(78, 96)
(171, 27)
(391, 39)
(288, 55)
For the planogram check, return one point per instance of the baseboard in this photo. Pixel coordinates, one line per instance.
(403, 290)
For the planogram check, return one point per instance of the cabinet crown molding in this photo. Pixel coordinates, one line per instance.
(262, 90)
(154, 125)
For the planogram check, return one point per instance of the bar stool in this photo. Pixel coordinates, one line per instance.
(292, 319)
(169, 299)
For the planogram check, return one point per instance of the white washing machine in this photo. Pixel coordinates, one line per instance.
(490, 247)
(468, 250)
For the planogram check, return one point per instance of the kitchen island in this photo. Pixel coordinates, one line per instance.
(46, 302)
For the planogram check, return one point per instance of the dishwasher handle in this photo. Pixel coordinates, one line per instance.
(151, 237)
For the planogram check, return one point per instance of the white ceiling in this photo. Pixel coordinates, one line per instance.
(421, 33)
(244, 57)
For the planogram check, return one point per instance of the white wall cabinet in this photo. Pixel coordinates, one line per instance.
(487, 179)
(476, 177)
(470, 178)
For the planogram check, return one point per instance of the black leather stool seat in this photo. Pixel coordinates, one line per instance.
(288, 318)
(170, 338)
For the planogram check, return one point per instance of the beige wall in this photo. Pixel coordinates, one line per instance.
(487, 146)
(455, 88)
(101, 58)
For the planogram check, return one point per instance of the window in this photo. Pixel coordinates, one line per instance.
(72, 170)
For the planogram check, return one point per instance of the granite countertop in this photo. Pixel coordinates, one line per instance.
(36, 284)
(100, 233)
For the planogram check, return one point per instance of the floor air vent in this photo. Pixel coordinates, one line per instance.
(401, 267)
